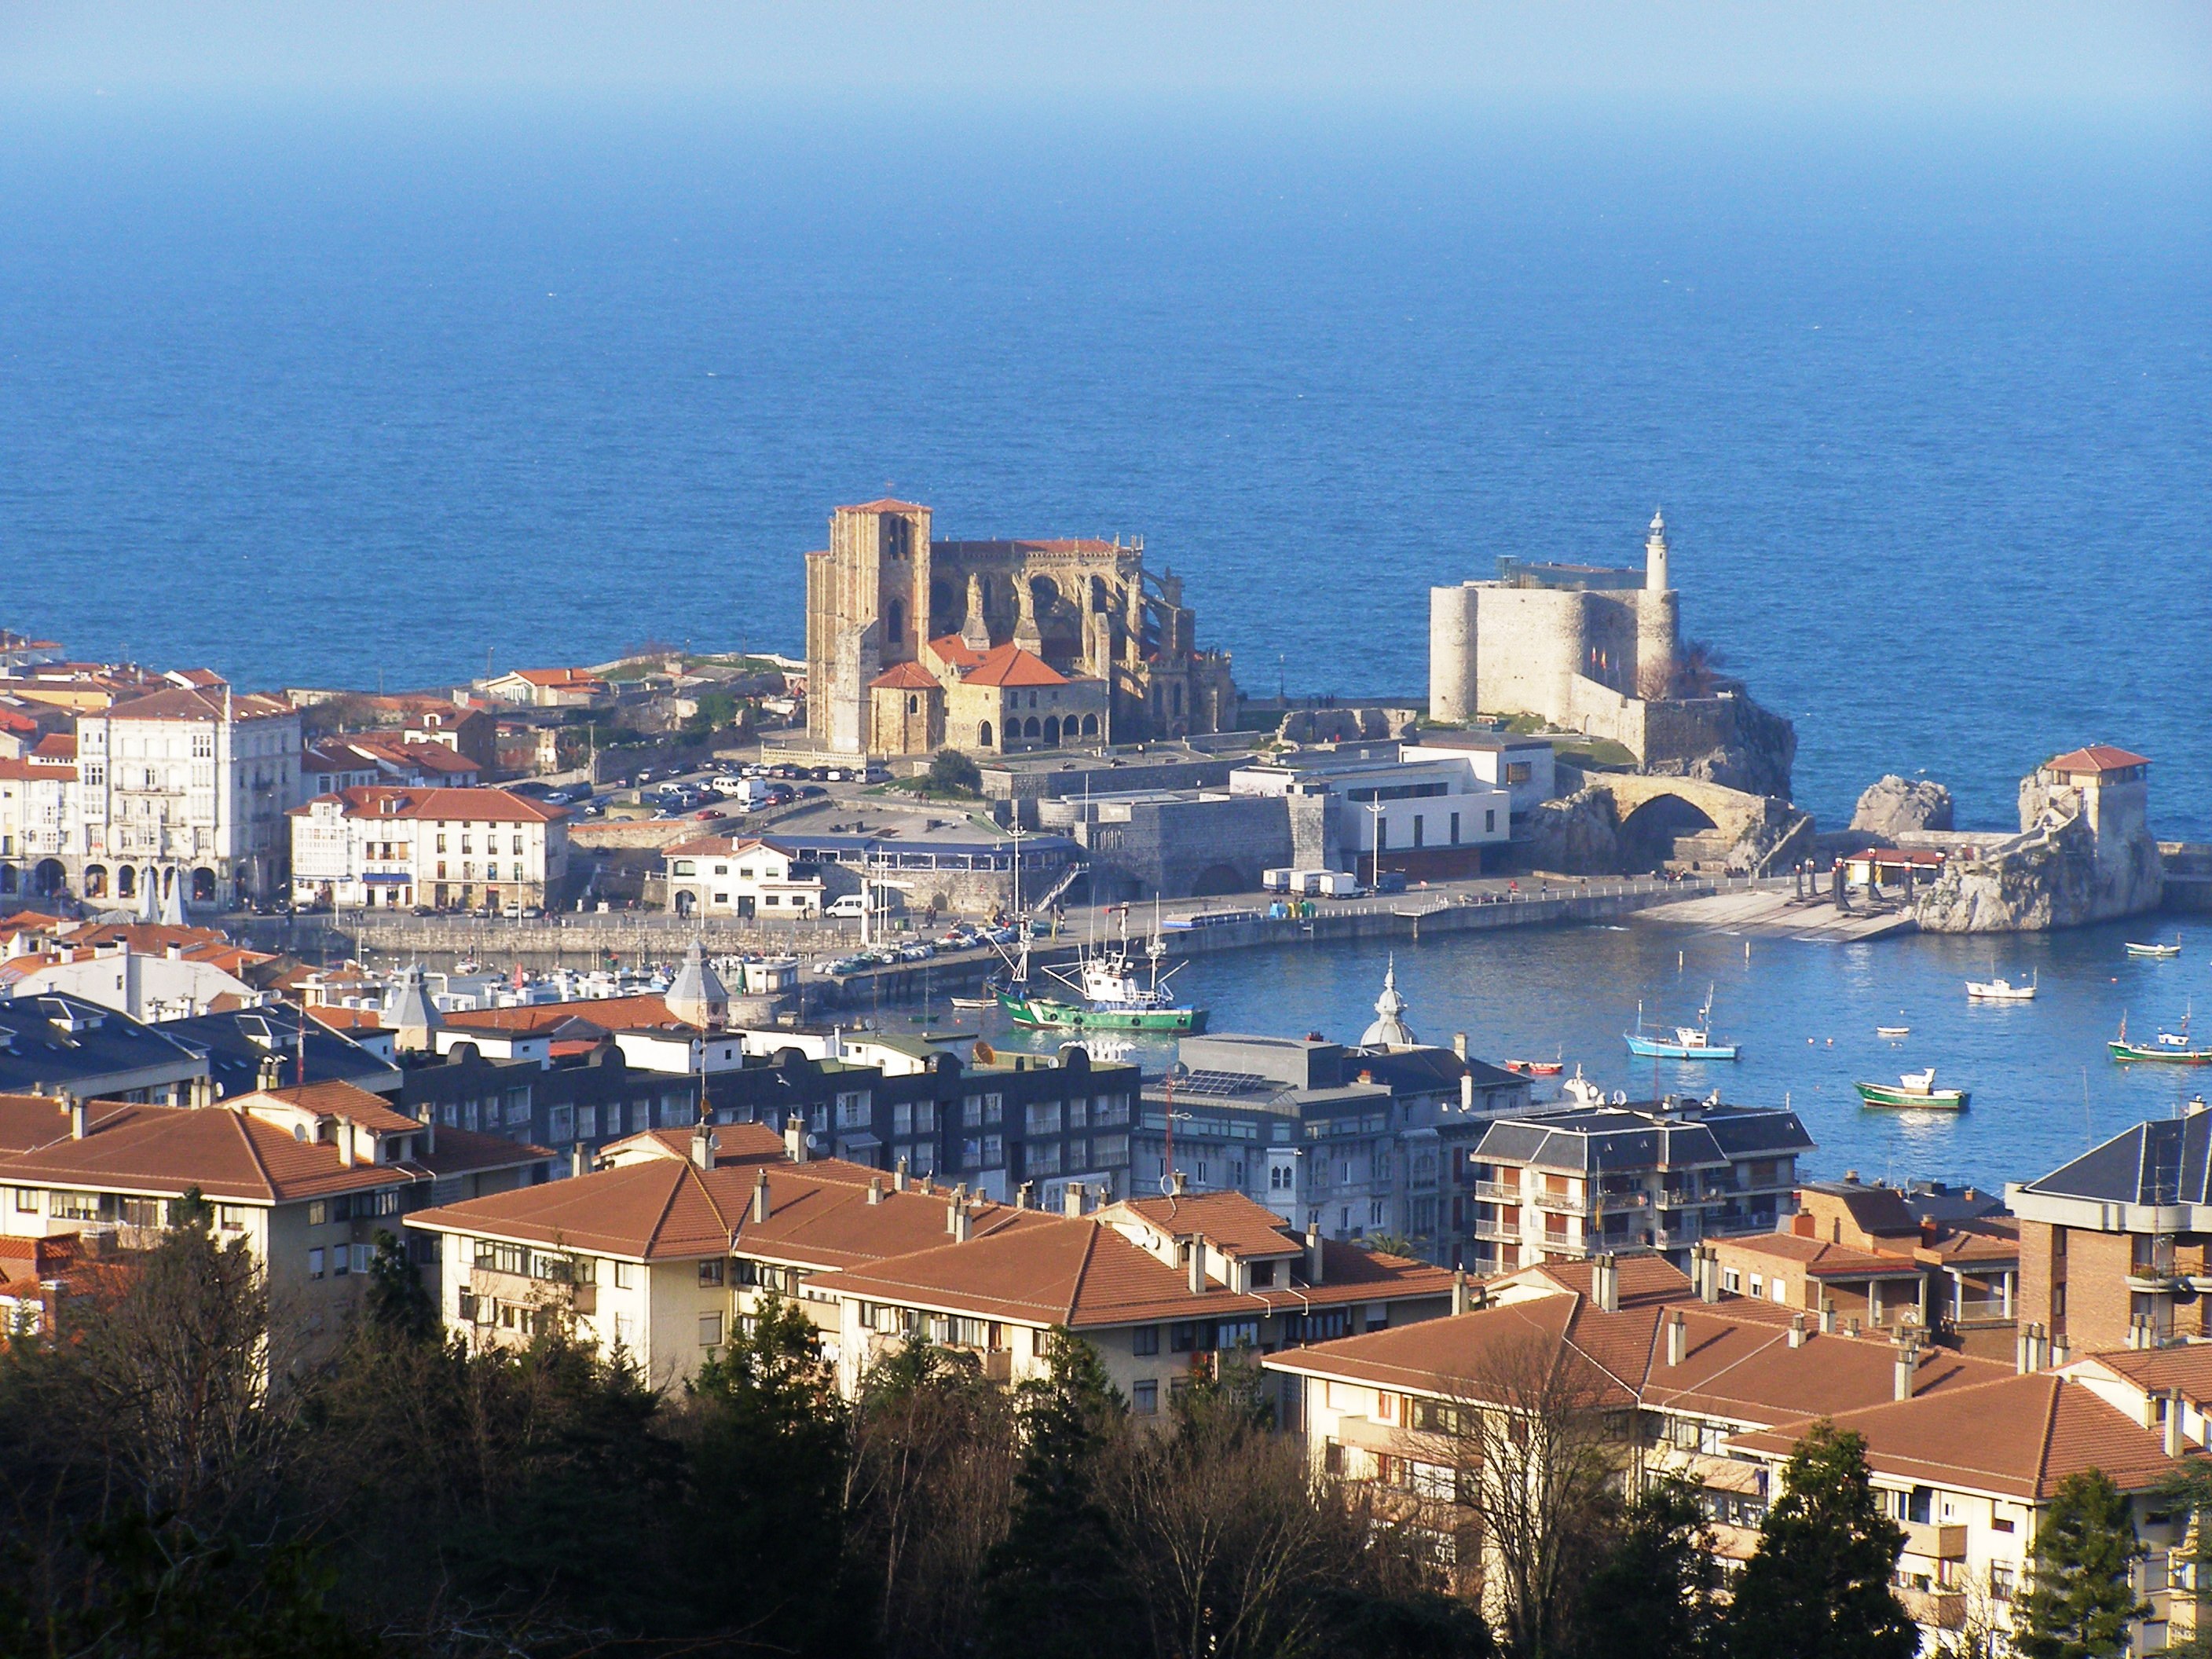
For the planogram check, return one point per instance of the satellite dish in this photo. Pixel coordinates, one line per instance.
(983, 1052)
(1178, 1072)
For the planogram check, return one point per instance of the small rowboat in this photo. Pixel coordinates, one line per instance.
(1915, 1089)
(1999, 990)
(2160, 952)
(973, 1002)
(1893, 1030)
(1536, 1067)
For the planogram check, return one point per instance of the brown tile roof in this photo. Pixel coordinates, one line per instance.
(1231, 1223)
(905, 677)
(57, 746)
(2019, 1435)
(24, 771)
(464, 1152)
(1822, 1260)
(2096, 757)
(956, 652)
(1083, 1274)
(734, 1143)
(628, 1014)
(1008, 665)
(416, 804)
(222, 1151)
(336, 1099)
(1642, 1279)
(186, 703)
(2188, 1367)
(347, 1020)
(29, 1120)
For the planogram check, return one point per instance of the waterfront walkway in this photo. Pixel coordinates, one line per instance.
(1774, 911)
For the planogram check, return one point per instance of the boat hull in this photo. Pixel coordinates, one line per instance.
(2162, 952)
(1936, 1100)
(1649, 1048)
(1050, 1014)
(2135, 1051)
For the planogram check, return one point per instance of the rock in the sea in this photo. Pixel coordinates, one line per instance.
(1579, 835)
(1893, 806)
(2058, 872)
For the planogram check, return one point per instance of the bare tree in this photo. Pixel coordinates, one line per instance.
(1524, 1462)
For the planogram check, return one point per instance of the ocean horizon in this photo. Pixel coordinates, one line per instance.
(372, 393)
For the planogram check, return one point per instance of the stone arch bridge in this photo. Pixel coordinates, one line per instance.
(1761, 831)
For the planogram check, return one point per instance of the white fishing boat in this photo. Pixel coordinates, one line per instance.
(2000, 990)
(2157, 952)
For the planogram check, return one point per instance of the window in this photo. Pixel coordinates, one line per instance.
(1182, 1338)
(517, 1105)
(340, 1261)
(2001, 1582)
(1109, 1151)
(315, 1262)
(1079, 1113)
(1042, 1158)
(971, 1112)
(995, 1152)
(1145, 1398)
(710, 1273)
(587, 1123)
(1145, 1341)
(560, 1123)
(902, 1119)
(710, 1330)
(27, 1201)
(623, 1271)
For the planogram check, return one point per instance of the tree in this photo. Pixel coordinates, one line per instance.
(1055, 1586)
(1818, 1586)
(396, 1298)
(1655, 1596)
(2080, 1598)
(952, 773)
(1533, 1437)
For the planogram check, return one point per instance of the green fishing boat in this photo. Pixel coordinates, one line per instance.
(1110, 992)
(1915, 1090)
(2167, 1048)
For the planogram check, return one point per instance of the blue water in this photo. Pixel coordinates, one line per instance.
(352, 395)
(2042, 1086)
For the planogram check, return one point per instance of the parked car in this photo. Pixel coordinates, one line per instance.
(727, 782)
(532, 912)
(710, 814)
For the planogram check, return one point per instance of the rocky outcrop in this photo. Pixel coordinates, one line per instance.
(2059, 874)
(1577, 836)
(1892, 807)
(1365, 722)
(1728, 740)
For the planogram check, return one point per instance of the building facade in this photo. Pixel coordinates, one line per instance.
(387, 848)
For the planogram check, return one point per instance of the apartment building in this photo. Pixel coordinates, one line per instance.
(40, 828)
(58, 1045)
(393, 848)
(1695, 1383)
(304, 1177)
(360, 760)
(548, 688)
(185, 788)
(1557, 1183)
(2113, 1245)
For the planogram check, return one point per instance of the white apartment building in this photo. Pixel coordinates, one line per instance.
(388, 848)
(38, 826)
(185, 788)
(730, 876)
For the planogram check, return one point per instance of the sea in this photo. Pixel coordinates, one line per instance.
(386, 392)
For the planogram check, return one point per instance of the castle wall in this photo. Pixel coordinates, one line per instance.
(1530, 644)
(1452, 644)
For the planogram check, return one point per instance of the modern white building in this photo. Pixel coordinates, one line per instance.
(741, 876)
(386, 849)
(185, 788)
(1426, 815)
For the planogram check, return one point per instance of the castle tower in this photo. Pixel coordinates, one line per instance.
(867, 606)
(1452, 652)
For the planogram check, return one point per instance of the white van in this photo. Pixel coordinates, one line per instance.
(850, 908)
(751, 793)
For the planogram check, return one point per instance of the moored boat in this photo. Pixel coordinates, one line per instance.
(1109, 993)
(1893, 1030)
(1683, 1042)
(2161, 952)
(2167, 1048)
(1536, 1067)
(2000, 990)
(1914, 1089)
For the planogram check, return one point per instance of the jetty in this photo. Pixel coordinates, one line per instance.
(1775, 911)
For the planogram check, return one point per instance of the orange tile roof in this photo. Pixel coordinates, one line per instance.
(1082, 1273)
(222, 1151)
(2187, 1367)
(956, 652)
(347, 1020)
(57, 746)
(905, 677)
(2096, 757)
(1231, 1223)
(734, 1143)
(628, 1014)
(556, 676)
(24, 771)
(409, 802)
(1822, 1260)
(336, 1099)
(1008, 665)
(29, 1120)
(2019, 1435)
(185, 704)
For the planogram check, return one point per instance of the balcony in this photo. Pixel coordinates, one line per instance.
(1498, 1232)
(1498, 1191)
(1630, 1199)
(1936, 1609)
(1935, 1543)
(1568, 1203)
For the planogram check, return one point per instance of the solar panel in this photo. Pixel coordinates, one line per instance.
(1217, 1083)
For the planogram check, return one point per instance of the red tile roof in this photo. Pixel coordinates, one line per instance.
(184, 703)
(25, 771)
(406, 801)
(562, 678)
(2096, 757)
(1231, 1222)
(221, 1151)
(1008, 665)
(347, 1020)
(1821, 1260)
(608, 1014)
(905, 677)
(29, 1120)
(57, 746)
(956, 652)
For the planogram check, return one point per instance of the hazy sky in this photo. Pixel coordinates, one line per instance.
(2061, 52)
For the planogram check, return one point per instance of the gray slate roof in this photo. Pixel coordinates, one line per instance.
(1594, 1140)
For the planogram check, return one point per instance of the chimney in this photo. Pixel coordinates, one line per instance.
(702, 1145)
(1708, 1275)
(76, 1117)
(1071, 1201)
(1797, 1330)
(201, 1091)
(1313, 1251)
(1827, 1315)
(2173, 1422)
(1605, 1281)
(760, 1199)
(1467, 1092)
(956, 1220)
(1463, 1299)
(579, 1161)
(343, 1136)
(1198, 1264)
(875, 1190)
(1459, 1044)
(899, 1176)
(2060, 1354)
(794, 1138)
(1908, 1360)
(1678, 1337)
(1022, 1195)
(1928, 1232)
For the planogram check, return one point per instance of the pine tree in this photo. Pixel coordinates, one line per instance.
(2080, 1601)
(1055, 1588)
(1654, 1596)
(397, 1299)
(1818, 1586)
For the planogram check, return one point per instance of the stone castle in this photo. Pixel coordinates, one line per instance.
(915, 644)
(1596, 650)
